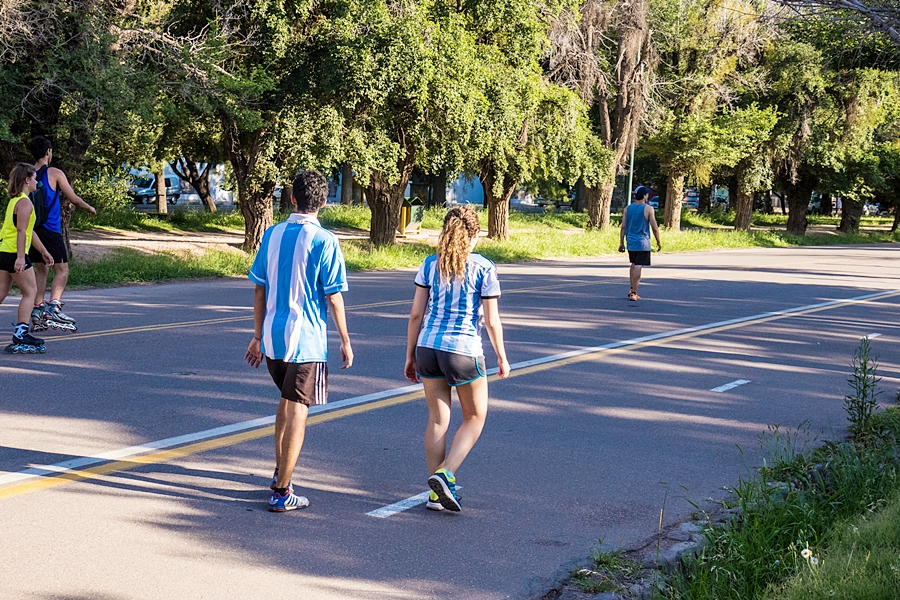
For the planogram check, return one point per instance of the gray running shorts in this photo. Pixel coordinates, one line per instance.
(457, 369)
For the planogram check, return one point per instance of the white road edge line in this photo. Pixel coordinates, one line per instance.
(123, 453)
(730, 386)
(397, 507)
(873, 335)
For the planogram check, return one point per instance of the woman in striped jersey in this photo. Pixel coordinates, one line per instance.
(456, 294)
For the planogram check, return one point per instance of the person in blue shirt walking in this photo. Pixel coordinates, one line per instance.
(299, 273)
(637, 222)
(456, 294)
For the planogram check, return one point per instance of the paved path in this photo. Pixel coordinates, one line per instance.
(610, 412)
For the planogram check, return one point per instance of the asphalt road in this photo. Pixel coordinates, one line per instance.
(609, 415)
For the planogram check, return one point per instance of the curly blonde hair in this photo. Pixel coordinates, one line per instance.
(460, 226)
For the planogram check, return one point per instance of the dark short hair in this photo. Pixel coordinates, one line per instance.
(39, 146)
(310, 191)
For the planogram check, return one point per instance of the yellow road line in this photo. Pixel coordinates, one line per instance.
(229, 440)
(184, 324)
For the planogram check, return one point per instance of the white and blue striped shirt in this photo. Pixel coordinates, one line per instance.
(299, 263)
(454, 317)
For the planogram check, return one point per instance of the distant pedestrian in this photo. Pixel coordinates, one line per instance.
(456, 294)
(299, 273)
(16, 238)
(52, 188)
(638, 220)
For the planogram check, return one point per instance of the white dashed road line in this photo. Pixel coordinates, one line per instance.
(730, 386)
(392, 509)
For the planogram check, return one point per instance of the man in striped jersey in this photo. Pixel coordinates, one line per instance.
(299, 272)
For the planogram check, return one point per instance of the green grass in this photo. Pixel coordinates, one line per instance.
(759, 554)
(532, 237)
(129, 266)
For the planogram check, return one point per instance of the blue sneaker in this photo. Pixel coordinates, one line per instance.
(289, 501)
(443, 483)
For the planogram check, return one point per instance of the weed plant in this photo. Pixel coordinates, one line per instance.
(795, 512)
(861, 403)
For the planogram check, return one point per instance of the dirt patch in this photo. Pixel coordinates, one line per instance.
(96, 244)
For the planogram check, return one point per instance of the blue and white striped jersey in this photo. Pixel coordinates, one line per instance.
(453, 317)
(299, 263)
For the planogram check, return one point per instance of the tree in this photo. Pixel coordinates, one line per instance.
(883, 15)
(602, 52)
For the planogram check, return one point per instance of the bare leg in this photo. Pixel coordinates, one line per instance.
(41, 272)
(635, 277)
(25, 281)
(437, 395)
(290, 429)
(60, 279)
(473, 399)
(5, 285)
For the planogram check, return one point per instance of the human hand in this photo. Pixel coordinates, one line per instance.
(48, 260)
(91, 210)
(19, 265)
(254, 355)
(658, 246)
(346, 355)
(621, 247)
(410, 370)
(504, 367)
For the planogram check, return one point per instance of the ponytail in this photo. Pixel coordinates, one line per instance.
(460, 226)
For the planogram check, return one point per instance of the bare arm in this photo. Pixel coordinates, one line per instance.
(336, 302)
(651, 216)
(622, 231)
(254, 354)
(416, 315)
(62, 184)
(495, 332)
(23, 214)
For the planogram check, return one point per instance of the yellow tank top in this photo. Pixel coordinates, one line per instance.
(8, 232)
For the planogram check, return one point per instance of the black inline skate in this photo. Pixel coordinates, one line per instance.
(57, 319)
(38, 322)
(25, 343)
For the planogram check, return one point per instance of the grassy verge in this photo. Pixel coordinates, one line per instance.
(815, 523)
(129, 266)
(533, 237)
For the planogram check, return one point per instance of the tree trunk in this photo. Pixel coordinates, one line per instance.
(187, 169)
(704, 204)
(498, 206)
(580, 203)
(674, 195)
(798, 196)
(256, 207)
(438, 190)
(599, 200)
(742, 201)
(346, 184)
(743, 209)
(161, 206)
(850, 215)
(385, 200)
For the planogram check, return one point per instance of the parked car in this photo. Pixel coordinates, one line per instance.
(143, 188)
(874, 209)
(654, 202)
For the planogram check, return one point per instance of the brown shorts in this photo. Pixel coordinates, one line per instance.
(306, 383)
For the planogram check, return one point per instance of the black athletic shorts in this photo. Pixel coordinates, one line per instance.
(306, 383)
(639, 257)
(457, 369)
(8, 262)
(53, 242)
